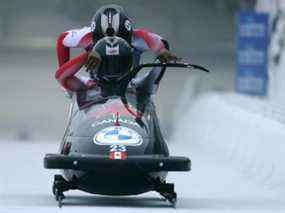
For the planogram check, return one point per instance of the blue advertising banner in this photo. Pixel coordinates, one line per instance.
(252, 53)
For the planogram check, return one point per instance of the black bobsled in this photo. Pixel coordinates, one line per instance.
(113, 145)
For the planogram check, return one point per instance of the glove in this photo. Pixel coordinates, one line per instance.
(93, 61)
(165, 56)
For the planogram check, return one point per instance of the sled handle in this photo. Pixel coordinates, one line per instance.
(178, 65)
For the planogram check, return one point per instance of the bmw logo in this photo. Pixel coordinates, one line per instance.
(118, 135)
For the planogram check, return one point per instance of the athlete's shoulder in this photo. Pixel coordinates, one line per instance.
(145, 40)
(142, 32)
(78, 37)
(138, 32)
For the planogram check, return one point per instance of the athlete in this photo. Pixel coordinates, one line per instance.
(109, 21)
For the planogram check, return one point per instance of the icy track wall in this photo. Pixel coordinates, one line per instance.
(250, 142)
(248, 133)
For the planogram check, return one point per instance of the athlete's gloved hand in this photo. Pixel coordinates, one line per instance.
(166, 56)
(93, 61)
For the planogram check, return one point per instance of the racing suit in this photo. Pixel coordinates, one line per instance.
(142, 41)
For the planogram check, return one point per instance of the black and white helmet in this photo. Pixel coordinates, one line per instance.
(116, 57)
(111, 20)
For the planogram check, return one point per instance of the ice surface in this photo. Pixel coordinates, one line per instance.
(212, 186)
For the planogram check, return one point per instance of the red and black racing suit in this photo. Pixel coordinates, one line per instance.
(142, 41)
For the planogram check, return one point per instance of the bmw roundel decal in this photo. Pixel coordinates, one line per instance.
(118, 135)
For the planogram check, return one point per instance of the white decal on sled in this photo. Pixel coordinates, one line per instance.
(112, 120)
(118, 135)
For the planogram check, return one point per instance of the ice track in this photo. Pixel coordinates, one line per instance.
(211, 186)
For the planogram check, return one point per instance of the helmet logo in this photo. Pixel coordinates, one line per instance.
(93, 26)
(112, 50)
(128, 25)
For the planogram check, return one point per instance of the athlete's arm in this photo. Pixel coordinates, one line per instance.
(77, 38)
(62, 51)
(144, 40)
(65, 74)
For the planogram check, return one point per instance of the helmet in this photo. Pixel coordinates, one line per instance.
(111, 20)
(116, 58)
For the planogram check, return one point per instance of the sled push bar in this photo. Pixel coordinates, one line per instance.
(177, 65)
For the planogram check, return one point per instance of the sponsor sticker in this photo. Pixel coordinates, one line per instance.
(252, 53)
(112, 50)
(112, 120)
(118, 135)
